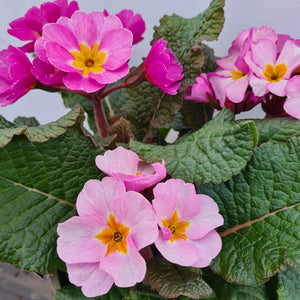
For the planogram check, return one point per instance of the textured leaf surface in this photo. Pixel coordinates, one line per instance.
(42, 133)
(277, 130)
(25, 121)
(261, 209)
(214, 153)
(39, 184)
(171, 280)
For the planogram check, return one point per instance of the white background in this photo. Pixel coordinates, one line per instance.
(281, 15)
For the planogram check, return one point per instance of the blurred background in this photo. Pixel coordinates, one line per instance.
(283, 16)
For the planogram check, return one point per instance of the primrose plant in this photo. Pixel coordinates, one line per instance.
(116, 210)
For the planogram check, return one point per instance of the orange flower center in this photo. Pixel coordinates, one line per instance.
(275, 74)
(89, 60)
(114, 236)
(237, 74)
(177, 228)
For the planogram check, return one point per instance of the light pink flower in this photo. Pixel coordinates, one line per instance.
(292, 103)
(29, 27)
(126, 166)
(92, 49)
(15, 75)
(270, 72)
(187, 222)
(101, 245)
(133, 22)
(162, 68)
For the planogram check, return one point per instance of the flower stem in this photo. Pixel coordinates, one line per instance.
(104, 93)
(100, 118)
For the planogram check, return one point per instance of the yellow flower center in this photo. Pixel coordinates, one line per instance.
(275, 74)
(237, 74)
(88, 60)
(177, 228)
(114, 236)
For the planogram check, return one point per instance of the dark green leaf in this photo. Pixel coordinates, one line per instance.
(6, 124)
(261, 209)
(24, 121)
(171, 280)
(214, 153)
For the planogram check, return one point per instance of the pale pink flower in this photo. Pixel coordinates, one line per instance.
(101, 245)
(271, 71)
(92, 49)
(162, 68)
(292, 103)
(15, 75)
(133, 22)
(29, 27)
(126, 166)
(187, 222)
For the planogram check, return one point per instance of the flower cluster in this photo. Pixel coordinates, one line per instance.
(102, 245)
(78, 51)
(261, 67)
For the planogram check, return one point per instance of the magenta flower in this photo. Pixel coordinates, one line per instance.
(92, 49)
(29, 27)
(270, 72)
(187, 222)
(101, 245)
(292, 103)
(162, 68)
(126, 166)
(133, 22)
(15, 75)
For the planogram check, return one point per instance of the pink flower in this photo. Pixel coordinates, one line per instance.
(92, 49)
(29, 27)
(270, 72)
(15, 75)
(292, 103)
(162, 68)
(126, 166)
(101, 245)
(187, 222)
(133, 22)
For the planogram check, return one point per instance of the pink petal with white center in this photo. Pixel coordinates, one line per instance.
(164, 206)
(209, 247)
(91, 277)
(77, 242)
(61, 35)
(96, 197)
(126, 269)
(187, 204)
(180, 252)
(277, 88)
(60, 57)
(263, 53)
(207, 219)
(236, 90)
(77, 82)
(135, 211)
(258, 85)
(117, 44)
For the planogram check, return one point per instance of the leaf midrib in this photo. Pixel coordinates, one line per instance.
(39, 192)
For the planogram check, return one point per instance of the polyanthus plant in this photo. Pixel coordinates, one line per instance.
(117, 208)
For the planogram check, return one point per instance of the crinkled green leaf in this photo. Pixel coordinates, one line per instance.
(39, 184)
(142, 292)
(288, 284)
(261, 209)
(277, 130)
(71, 292)
(214, 153)
(171, 280)
(6, 124)
(42, 133)
(26, 121)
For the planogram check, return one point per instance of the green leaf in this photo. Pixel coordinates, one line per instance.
(24, 121)
(42, 133)
(71, 292)
(6, 124)
(261, 209)
(39, 184)
(277, 130)
(288, 284)
(142, 292)
(214, 153)
(171, 280)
